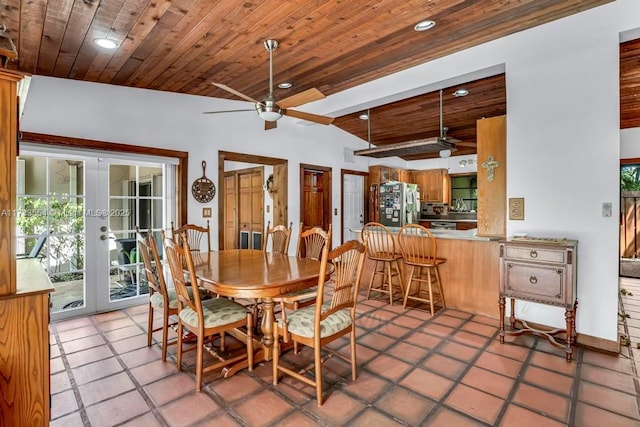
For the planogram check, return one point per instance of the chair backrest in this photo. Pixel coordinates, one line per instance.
(195, 234)
(417, 244)
(42, 239)
(312, 241)
(348, 263)
(178, 256)
(153, 269)
(279, 236)
(380, 241)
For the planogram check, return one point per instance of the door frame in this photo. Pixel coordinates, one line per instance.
(327, 198)
(280, 196)
(365, 194)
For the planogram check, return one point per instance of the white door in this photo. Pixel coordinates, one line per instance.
(353, 202)
(77, 215)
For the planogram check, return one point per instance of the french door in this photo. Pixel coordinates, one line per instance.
(78, 215)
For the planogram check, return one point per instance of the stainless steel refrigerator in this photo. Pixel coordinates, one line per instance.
(399, 204)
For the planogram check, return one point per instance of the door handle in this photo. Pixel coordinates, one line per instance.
(103, 237)
(103, 228)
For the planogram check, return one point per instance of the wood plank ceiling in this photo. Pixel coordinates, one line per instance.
(184, 45)
(630, 84)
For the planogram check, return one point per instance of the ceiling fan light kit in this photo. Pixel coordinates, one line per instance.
(270, 109)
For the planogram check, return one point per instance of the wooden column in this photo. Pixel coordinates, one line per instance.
(8, 152)
(492, 176)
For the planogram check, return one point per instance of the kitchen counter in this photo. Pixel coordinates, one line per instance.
(440, 233)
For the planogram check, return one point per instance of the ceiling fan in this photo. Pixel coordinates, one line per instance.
(269, 108)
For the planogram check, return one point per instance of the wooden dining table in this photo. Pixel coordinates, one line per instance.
(254, 274)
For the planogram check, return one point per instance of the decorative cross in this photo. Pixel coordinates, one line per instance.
(490, 165)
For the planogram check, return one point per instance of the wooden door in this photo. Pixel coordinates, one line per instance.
(250, 205)
(492, 176)
(230, 209)
(315, 200)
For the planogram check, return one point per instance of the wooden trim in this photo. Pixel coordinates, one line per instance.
(632, 161)
(70, 142)
(365, 194)
(280, 197)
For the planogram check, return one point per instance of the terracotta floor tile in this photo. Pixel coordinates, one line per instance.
(113, 315)
(145, 355)
(370, 418)
(381, 314)
(460, 314)
(369, 322)
(116, 324)
(470, 339)
(188, 410)
(458, 351)
(388, 367)
(129, 344)
(361, 308)
(450, 321)
(405, 405)
(364, 354)
(393, 330)
(408, 322)
(63, 403)
(543, 401)
(407, 352)
(438, 330)
(153, 371)
(499, 364)
(480, 329)
(590, 416)
(60, 382)
(615, 363)
(367, 387)
(297, 419)
(427, 384)
(54, 351)
(555, 363)
(547, 347)
(611, 379)
(376, 341)
(375, 302)
(105, 388)
(82, 344)
(516, 416)
(609, 399)
(88, 356)
(337, 409)
(396, 308)
(549, 380)
(263, 409)
(445, 417)
(423, 340)
(71, 420)
(74, 334)
(474, 403)
(137, 309)
(64, 325)
(171, 388)
(444, 365)
(486, 320)
(122, 333)
(56, 365)
(96, 370)
(146, 420)
(297, 391)
(117, 410)
(422, 315)
(488, 382)
(510, 350)
(219, 419)
(236, 387)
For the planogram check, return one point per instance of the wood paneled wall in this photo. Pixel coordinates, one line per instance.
(492, 195)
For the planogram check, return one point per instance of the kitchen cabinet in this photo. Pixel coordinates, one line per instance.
(434, 184)
(492, 176)
(541, 270)
(379, 174)
(466, 225)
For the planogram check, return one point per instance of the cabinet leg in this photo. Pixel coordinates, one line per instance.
(501, 303)
(569, 319)
(512, 317)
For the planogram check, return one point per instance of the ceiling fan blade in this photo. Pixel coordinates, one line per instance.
(316, 118)
(228, 111)
(308, 95)
(270, 125)
(235, 92)
(467, 144)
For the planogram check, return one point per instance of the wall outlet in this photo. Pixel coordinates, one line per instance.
(206, 212)
(516, 208)
(606, 209)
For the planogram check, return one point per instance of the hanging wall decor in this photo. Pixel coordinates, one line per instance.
(203, 189)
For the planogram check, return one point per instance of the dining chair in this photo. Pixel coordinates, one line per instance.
(195, 234)
(279, 235)
(381, 248)
(312, 241)
(332, 316)
(203, 318)
(418, 248)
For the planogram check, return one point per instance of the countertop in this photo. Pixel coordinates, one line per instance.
(440, 233)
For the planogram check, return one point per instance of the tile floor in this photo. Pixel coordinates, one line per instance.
(449, 370)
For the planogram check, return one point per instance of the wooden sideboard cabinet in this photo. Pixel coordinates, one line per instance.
(541, 270)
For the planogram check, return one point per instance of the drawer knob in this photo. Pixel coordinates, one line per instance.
(533, 280)
(533, 254)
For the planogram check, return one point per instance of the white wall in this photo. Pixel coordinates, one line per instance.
(562, 131)
(630, 143)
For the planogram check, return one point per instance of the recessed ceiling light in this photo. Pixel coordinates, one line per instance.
(424, 25)
(364, 116)
(285, 85)
(106, 43)
(461, 92)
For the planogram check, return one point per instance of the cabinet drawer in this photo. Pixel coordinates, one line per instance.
(544, 283)
(537, 254)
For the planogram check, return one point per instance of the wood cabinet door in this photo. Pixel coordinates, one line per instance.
(374, 175)
(403, 175)
(492, 187)
(433, 184)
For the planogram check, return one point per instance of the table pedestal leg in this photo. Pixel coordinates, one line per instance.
(267, 325)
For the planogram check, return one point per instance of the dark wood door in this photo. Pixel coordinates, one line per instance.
(315, 197)
(230, 201)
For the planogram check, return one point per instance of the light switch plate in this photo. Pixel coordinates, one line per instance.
(516, 208)
(206, 212)
(606, 209)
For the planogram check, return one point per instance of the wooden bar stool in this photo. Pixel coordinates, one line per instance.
(381, 248)
(418, 247)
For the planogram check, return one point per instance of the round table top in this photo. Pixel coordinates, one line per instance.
(248, 273)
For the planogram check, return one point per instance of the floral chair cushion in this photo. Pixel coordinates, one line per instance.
(158, 302)
(217, 312)
(300, 322)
